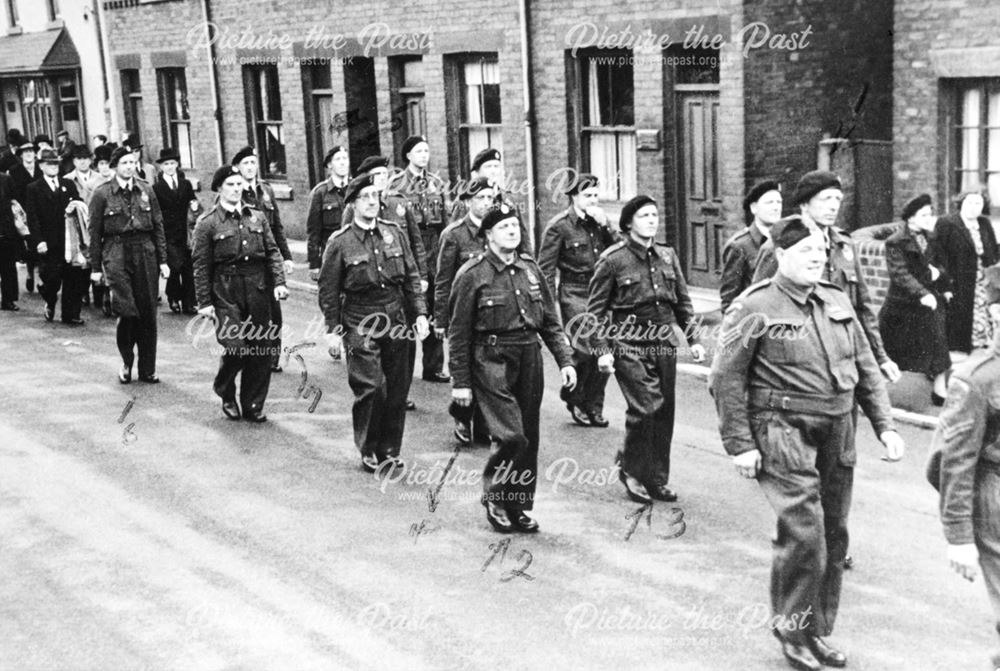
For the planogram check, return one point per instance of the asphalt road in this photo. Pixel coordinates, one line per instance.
(140, 530)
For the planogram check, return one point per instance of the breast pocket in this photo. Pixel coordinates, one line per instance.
(492, 312)
(630, 288)
(255, 245)
(395, 264)
(578, 252)
(668, 285)
(357, 273)
(332, 214)
(779, 338)
(224, 245)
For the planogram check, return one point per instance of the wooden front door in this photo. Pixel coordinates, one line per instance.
(702, 228)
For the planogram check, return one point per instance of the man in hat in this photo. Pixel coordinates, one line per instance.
(423, 194)
(127, 246)
(59, 240)
(326, 206)
(143, 170)
(571, 245)
(238, 273)
(500, 306)
(102, 160)
(968, 441)
(42, 141)
(369, 293)
(259, 195)
(818, 196)
(762, 206)
(64, 146)
(9, 157)
(792, 362)
(638, 292)
(24, 173)
(177, 202)
(83, 176)
(11, 244)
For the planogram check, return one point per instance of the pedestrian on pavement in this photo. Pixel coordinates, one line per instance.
(639, 291)
(762, 206)
(965, 244)
(8, 159)
(792, 361)
(127, 245)
(326, 206)
(423, 193)
(572, 242)
(11, 247)
(259, 195)
(969, 470)
(177, 200)
(500, 305)
(912, 318)
(23, 174)
(59, 237)
(369, 293)
(238, 274)
(818, 196)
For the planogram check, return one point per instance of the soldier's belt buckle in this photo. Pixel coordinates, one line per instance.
(491, 340)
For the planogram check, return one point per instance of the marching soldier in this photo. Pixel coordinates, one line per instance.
(571, 245)
(237, 271)
(792, 360)
(500, 305)
(423, 193)
(259, 195)
(968, 440)
(369, 292)
(489, 164)
(739, 255)
(126, 245)
(638, 288)
(326, 207)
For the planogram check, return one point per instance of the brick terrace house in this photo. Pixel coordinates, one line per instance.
(642, 93)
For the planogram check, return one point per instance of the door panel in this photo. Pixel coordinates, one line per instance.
(702, 226)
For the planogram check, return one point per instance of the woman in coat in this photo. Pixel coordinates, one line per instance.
(965, 244)
(912, 319)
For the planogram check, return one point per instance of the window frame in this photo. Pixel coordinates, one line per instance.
(169, 125)
(257, 124)
(954, 133)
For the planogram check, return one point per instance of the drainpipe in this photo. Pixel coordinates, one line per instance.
(109, 91)
(213, 78)
(529, 120)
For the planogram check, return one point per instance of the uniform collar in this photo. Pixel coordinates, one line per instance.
(759, 233)
(360, 230)
(499, 264)
(640, 250)
(796, 292)
(473, 224)
(240, 207)
(119, 184)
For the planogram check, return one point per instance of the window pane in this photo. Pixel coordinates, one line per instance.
(478, 140)
(473, 74)
(67, 88)
(413, 74)
(473, 105)
(969, 133)
(182, 141)
(627, 166)
(491, 103)
(608, 89)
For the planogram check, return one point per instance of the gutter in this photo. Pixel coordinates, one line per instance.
(529, 117)
(213, 78)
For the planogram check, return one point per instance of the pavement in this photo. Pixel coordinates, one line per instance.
(141, 530)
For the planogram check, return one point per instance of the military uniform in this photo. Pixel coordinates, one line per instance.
(461, 208)
(498, 311)
(373, 273)
(423, 196)
(570, 247)
(739, 257)
(237, 265)
(791, 362)
(642, 288)
(261, 197)
(326, 215)
(128, 242)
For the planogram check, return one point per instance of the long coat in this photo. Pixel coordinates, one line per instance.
(956, 252)
(174, 206)
(914, 335)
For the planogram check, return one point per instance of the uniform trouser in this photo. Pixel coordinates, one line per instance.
(244, 298)
(255, 363)
(807, 476)
(180, 284)
(276, 321)
(9, 250)
(432, 347)
(986, 525)
(507, 381)
(379, 405)
(588, 393)
(130, 266)
(58, 275)
(647, 374)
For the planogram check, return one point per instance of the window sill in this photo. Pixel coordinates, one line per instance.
(15, 30)
(56, 24)
(282, 190)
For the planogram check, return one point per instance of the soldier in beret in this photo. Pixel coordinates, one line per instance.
(739, 255)
(488, 164)
(127, 244)
(792, 361)
(238, 274)
(369, 293)
(500, 307)
(571, 245)
(326, 206)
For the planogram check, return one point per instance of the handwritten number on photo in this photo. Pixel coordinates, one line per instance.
(676, 525)
(500, 548)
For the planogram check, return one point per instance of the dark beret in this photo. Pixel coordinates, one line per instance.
(355, 185)
(81, 151)
(103, 153)
(630, 208)
(333, 152)
(992, 284)
(583, 181)
(221, 174)
(474, 187)
(914, 205)
(25, 146)
(814, 182)
(371, 163)
(243, 153)
(488, 154)
(496, 215)
(758, 191)
(790, 231)
(118, 153)
(411, 142)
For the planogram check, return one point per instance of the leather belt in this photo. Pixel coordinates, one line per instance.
(518, 338)
(832, 405)
(566, 277)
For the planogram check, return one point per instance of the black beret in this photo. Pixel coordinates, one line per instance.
(758, 191)
(584, 180)
(333, 152)
(411, 142)
(488, 154)
(914, 205)
(243, 153)
(474, 187)
(103, 152)
(118, 153)
(496, 215)
(630, 208)
(790, 231)
(992, 274)
(81, 151)
(222, 173)
(812, 183)
(355, 185)
(371, 163)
